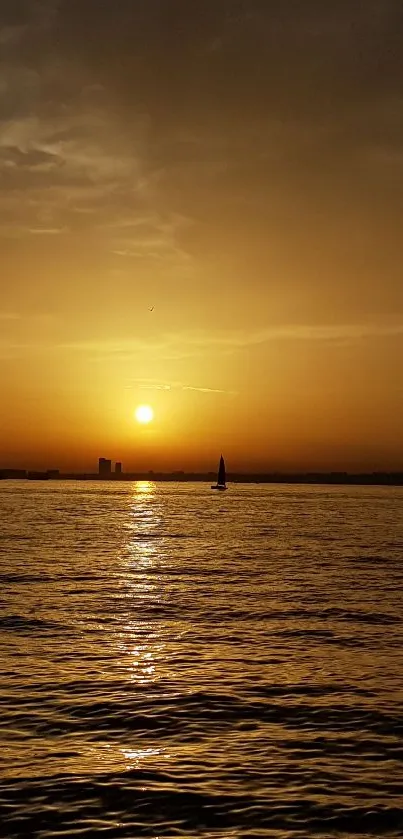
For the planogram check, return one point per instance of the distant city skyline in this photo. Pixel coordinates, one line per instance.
(104, 473)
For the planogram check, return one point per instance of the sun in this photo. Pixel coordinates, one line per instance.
(144, 414)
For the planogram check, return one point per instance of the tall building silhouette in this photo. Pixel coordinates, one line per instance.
(118, 468)
(104, 467)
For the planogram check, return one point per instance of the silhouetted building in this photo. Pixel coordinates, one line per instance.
(104, 467)
(118, 468)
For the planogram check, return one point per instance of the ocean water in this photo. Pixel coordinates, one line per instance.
(176, 662)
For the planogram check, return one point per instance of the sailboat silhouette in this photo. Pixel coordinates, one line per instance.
(221, 476)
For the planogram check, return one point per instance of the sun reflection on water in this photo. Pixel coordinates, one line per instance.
(140, 644)
(144, 526)
(145, 488)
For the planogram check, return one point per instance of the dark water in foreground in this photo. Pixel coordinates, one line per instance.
(178, 662)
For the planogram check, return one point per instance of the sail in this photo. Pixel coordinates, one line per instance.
(221, 472)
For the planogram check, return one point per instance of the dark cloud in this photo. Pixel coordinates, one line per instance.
(19, 12)
(213, 54)
(274, 122)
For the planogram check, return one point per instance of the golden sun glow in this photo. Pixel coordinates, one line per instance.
(144, 414)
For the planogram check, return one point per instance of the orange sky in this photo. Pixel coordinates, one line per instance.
(236, 166)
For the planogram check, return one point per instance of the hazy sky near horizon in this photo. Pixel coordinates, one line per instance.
(238, 166)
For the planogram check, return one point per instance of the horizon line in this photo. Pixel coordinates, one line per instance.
(340, 477)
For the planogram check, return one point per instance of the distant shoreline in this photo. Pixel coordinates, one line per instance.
(329, 478)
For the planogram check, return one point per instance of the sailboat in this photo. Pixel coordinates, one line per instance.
(221, 476)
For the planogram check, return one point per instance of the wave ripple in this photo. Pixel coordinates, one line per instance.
(173, 664)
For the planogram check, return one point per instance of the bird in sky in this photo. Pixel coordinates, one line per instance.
(152, 309)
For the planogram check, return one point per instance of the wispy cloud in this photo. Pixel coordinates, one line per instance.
(327, 332)
(24, 318)
(63, 156)
(47, 231)
(79, 144)
(199, 342)
(72, 162)
(298, 332)
(10, 316)
(208, 390)
(155, 384)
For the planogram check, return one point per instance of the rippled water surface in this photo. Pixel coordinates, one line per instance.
(178, 662)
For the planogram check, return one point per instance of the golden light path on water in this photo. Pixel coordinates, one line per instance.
(140, 555)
